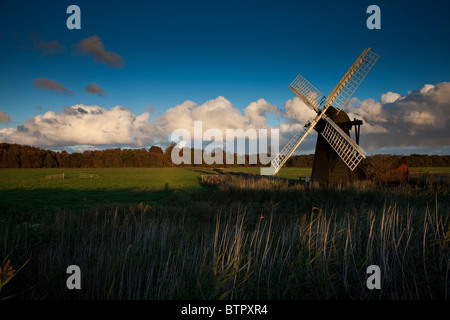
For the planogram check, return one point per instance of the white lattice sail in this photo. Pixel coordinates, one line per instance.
(344, 146)
(352, 79)
(307, 93)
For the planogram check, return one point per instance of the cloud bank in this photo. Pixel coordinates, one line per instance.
(81, 124)
(218, 113)
(93, 125)
(420, 119)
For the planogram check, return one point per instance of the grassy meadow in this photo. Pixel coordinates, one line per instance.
(163, 234)
(28, 188)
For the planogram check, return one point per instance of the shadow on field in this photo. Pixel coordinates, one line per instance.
(52, 198)
(281, 195)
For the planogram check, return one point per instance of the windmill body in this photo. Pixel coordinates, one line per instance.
(328, 167)
(337, 155)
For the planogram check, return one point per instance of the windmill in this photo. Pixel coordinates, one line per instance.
(337, 155)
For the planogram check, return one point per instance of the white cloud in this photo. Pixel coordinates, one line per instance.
(298, 111)
(420, 119)
(426, 88)
(178, 117)
(368, 109)
(255, 113)
(389, 97)
(424, 118)
(94, 125)
(218, 113)
(84, 125)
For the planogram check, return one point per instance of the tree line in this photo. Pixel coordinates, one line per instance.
(22, 156)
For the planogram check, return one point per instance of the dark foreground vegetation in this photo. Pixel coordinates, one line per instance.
(243, 239)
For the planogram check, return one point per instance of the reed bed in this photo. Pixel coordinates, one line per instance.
(243, 240)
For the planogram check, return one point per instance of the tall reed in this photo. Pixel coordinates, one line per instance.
(245, 240)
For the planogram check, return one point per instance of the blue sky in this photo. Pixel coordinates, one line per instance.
(177, 51)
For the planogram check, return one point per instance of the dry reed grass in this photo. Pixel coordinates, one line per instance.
(246, 240)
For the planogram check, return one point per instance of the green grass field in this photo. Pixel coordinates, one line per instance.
(162, 234)
(28, 188)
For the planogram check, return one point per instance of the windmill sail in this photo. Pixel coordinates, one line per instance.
(352, 79)
(344, 146)
(307, 93)
(281, 158)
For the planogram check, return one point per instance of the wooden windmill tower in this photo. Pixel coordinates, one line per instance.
(337, 155)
